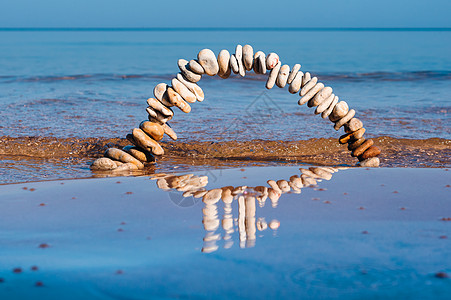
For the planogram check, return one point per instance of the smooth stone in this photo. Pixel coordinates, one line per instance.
(234, 64)
(325, 104)
(207, 60)
(103, 164)
(239, 60)
(307, 181)
(256, 66)
(248, 57)
(154, 130)
(161, 95)
(260, 58)
(169, 131)
(309, 173)
(325, 114)
(344, 120)
(340, 110)
(178, 101)
(307, 77)
(195, 67)
(146, 142)
(193, 87)
(310, 94)
(320, 97)
(353, 125)
(273, 76)
(351, 136)
(282, 77)
(296, 181)
(370, 162)
(356, 144)
(123, 156)
(272, 60)
(139, 154)
(372, 151)
(199, 194)
(126, 167)
(362, 148)
(157, 115)
(189, 75)
(293, 73)
(159, 107)
(212, 196)
(307, 87)
(295, 84)
(183, 91)
(239, 52)
(223, 62)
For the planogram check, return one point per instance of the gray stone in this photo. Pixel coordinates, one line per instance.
(325, 104)
(282, 77)
(344, 120)
(308, 86)
(329, 109)
(310, 94)
(248, 57)
(207, 60)
(273, 76)
(103, 164)
(339, 111)
(272, 60)
(195, 67)
(234, 64)
(293, 73)
(189, 75)
(370, 162)
(295, 84)
(320, 96)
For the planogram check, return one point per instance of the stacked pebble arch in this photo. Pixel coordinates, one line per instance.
(183, 91)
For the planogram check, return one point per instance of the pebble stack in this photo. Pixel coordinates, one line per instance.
(184, 91)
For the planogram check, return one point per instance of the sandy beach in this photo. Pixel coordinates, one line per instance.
(365, 233)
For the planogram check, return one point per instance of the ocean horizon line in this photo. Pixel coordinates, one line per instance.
(225, 28)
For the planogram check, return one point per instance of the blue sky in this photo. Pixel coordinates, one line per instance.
(233, 13)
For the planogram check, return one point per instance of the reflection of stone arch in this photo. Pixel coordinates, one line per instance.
(185, 91)
(223, 224)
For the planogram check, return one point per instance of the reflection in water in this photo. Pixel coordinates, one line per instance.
(247, 198)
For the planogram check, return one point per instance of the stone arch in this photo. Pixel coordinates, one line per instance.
(185, 91)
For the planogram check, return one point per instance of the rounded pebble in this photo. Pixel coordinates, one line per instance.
(207, 60)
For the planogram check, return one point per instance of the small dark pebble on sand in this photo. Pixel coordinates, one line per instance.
(447, 185)
(123, 223)
(327, 202)
(44, 245)
(128, 193)
(441, 275)
(120, 230)
(34, 268)
(119, 272)
(361, 208)
(445, 219)
(24, 188)
(74, 198)
(17, 270)
(442, 237)
(364, 232)
(32, 189)
(395, 192)
(42, 204)
(118, 182)
(345, 193)
(402, 208)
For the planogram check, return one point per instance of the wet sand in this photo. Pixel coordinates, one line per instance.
(365, 233)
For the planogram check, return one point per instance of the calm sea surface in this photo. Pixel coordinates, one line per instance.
(95, 84)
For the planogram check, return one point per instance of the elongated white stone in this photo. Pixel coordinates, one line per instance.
(339, 111)
(325, 104)
(320, 96)
(158, 106)
(183, 91)
(177, 100)
(234, 64)
(345, 119)
(306, 78)
(306, 88)
(161, 95)
(282, 77)
(328, 111)
(293, 73)
(157, 115)
(271, 60)
(193, 87)
(273, 76)
(260, 61)
(310, 94)
(195, 67)
(223, 62)
(295, 84)
(248, 57)
(239, 59)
